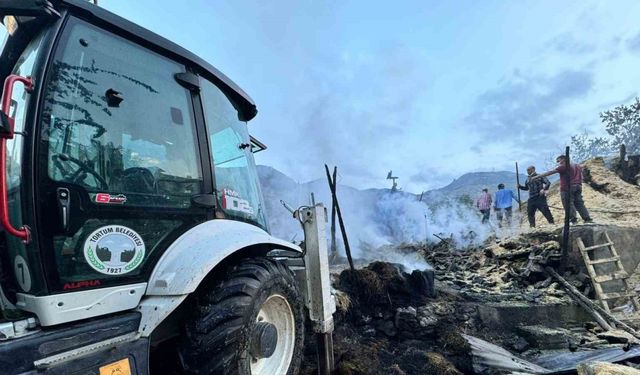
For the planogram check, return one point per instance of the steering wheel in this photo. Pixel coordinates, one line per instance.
(82, 167)
(138, 180)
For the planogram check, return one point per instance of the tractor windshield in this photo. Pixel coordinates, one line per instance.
(118, 127)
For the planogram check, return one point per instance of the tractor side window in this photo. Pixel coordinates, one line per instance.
(235, 172)
(117, 124)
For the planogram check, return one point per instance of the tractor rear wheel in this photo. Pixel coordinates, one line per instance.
(249, 323)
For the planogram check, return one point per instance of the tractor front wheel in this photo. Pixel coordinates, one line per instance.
(249, 323)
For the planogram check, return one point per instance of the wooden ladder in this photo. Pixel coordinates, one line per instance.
(618, 274)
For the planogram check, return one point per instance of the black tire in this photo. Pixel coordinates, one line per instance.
(218, 332)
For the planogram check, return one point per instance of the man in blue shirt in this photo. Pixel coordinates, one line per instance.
(503, 204)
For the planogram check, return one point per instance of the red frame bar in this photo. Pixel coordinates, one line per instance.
(7, 91)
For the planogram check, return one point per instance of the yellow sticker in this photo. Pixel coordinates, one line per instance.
(117, 368)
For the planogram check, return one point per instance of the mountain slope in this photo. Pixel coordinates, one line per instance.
(472, 184)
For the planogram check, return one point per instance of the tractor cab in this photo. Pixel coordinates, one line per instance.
(115, 142)
(132, 226)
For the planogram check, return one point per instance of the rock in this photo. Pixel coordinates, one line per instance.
(386, 327)
(603, 368)
(415, 361)
(590, 325)
(369, 332)
(510, 244)
(545, 337)
(573, 346)
(428, 322)
(363, 320)
(582, 277)
(442, 309)
(494, 251)
(616, 336)
(438, 364)
(530, 288)
(406, 319)
(462, 317)
(519, 344)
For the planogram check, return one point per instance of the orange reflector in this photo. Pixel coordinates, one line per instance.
(117, 368)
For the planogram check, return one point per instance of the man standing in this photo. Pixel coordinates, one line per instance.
(538, 188)
(484, 205)
(575, 181)
(503, 204)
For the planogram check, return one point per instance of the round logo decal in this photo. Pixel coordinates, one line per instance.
(114, 250)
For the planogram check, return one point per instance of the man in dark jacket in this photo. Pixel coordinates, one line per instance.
(537, 188)
(574, 182)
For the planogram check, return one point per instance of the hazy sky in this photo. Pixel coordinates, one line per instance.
(430, 89)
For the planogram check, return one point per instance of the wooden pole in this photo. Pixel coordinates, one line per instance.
(567, 208)
(334, 247)
(518, 187)
(575, 295)
(347, 249)
(592, 304)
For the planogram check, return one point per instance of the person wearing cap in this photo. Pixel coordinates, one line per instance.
(537, 188)
(484, 205)
(575, 184)
(503, 204)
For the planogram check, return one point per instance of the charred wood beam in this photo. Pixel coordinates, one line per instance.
(591, 307)
(347, 248)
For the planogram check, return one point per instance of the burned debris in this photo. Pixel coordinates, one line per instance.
(509, 304)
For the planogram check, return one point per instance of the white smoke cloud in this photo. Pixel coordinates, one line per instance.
(375, 220)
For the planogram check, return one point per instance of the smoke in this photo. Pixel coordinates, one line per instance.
(375, 220)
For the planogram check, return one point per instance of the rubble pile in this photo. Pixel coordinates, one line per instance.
(388, 323)
(509, 270)
(493, 305)
(391, 325)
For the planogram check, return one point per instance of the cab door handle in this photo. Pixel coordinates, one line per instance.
(64, 206)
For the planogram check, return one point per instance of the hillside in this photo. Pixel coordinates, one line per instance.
(361, 208)
(472, 184)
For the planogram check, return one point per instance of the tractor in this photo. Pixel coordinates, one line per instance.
(134, 234)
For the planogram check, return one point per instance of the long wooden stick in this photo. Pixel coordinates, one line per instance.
(576, 293)
(334, 247)
(347, 249)
(518, 187)
(567, 209)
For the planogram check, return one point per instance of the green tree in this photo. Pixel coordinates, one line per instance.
(584, 147)
(622, 125)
